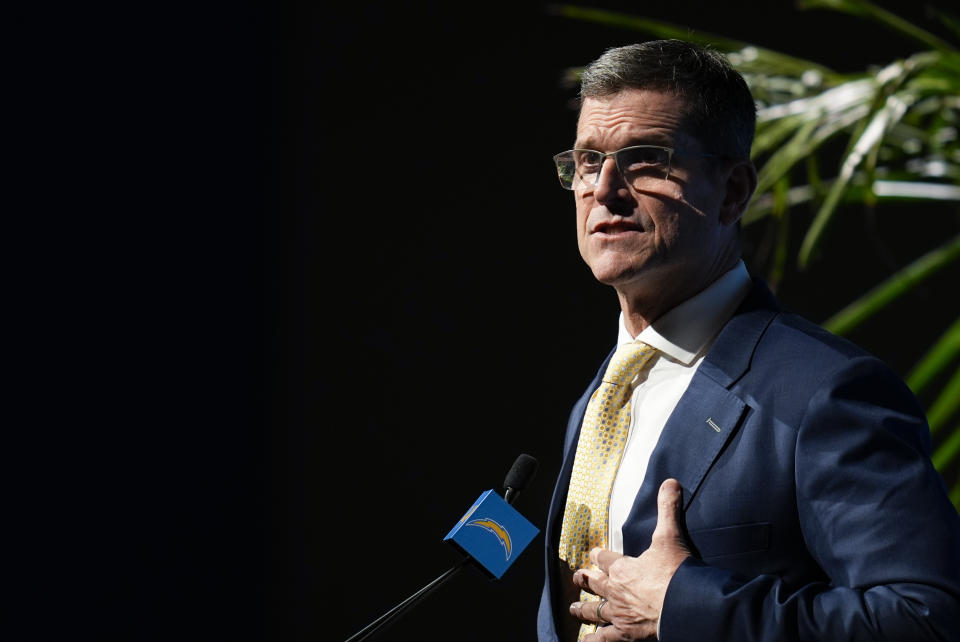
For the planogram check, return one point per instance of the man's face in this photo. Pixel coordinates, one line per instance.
(667, 237)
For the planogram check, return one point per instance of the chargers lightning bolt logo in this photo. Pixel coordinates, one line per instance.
(497, 529)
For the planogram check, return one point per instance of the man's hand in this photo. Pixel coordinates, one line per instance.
(634, 587)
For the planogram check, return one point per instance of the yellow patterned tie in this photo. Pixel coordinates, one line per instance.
(602, 438)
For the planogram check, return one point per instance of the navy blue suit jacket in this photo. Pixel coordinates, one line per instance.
(814, 511)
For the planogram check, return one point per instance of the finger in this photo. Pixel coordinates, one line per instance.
(604, 634)
(590, 611)
(591, 580)
(576, 610)
(669, 511)
(603, 558)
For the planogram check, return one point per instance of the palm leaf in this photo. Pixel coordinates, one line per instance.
(893, 110)
(936, 359)
(818, 128)
(895, 130)
(945, 405)
(947, 20)
(948, 451)
(898, 284)
(884, 191)
(864, 9)
(759, 57)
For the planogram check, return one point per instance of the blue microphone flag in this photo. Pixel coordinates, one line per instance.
(493, 533)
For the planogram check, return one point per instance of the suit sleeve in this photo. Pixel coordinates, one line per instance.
(874, 515)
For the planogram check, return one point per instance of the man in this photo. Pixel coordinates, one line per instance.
(758, 478)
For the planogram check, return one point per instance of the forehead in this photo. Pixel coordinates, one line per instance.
(633, 116)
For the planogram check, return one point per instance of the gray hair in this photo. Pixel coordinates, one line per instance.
(720, 110)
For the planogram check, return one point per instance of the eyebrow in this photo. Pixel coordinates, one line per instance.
(660, 140)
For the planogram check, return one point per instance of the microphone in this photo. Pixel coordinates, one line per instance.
(519, 477)
(489, 503)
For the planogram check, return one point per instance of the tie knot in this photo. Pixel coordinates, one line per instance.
(627, 362)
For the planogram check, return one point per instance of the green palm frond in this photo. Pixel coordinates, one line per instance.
(948, 451)
(945, 405)
(867, 306)
(937, 358)
(826, 141)
(864, 9)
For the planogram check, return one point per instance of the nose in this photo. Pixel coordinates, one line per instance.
(610, 185)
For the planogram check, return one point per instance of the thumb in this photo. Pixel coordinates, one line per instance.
(670, 514)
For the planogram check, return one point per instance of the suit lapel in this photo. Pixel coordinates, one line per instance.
(689, 443)
(706, 417)
(704, 420)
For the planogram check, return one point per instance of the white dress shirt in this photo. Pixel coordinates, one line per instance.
(683, 335)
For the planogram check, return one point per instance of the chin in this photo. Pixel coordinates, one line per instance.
(613, 269)
(617, 277)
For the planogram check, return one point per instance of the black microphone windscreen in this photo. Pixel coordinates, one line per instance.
(521, 473)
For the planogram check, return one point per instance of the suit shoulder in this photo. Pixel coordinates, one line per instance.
(798, 359)
(793, 336)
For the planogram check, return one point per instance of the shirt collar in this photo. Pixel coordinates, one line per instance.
(683, 332)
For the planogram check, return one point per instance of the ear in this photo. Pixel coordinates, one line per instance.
(740, 185)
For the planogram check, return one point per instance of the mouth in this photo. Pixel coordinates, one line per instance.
(614, 228)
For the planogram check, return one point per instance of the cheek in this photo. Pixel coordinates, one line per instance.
(666, 223)
(678, 221)
(583, 213)
(704, 197)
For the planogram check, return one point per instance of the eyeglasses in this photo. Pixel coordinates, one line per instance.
(640, 166)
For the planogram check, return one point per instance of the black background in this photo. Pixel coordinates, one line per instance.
(296, 283)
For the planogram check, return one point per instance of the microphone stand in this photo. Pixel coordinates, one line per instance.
(408, 603)
(510, 496)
